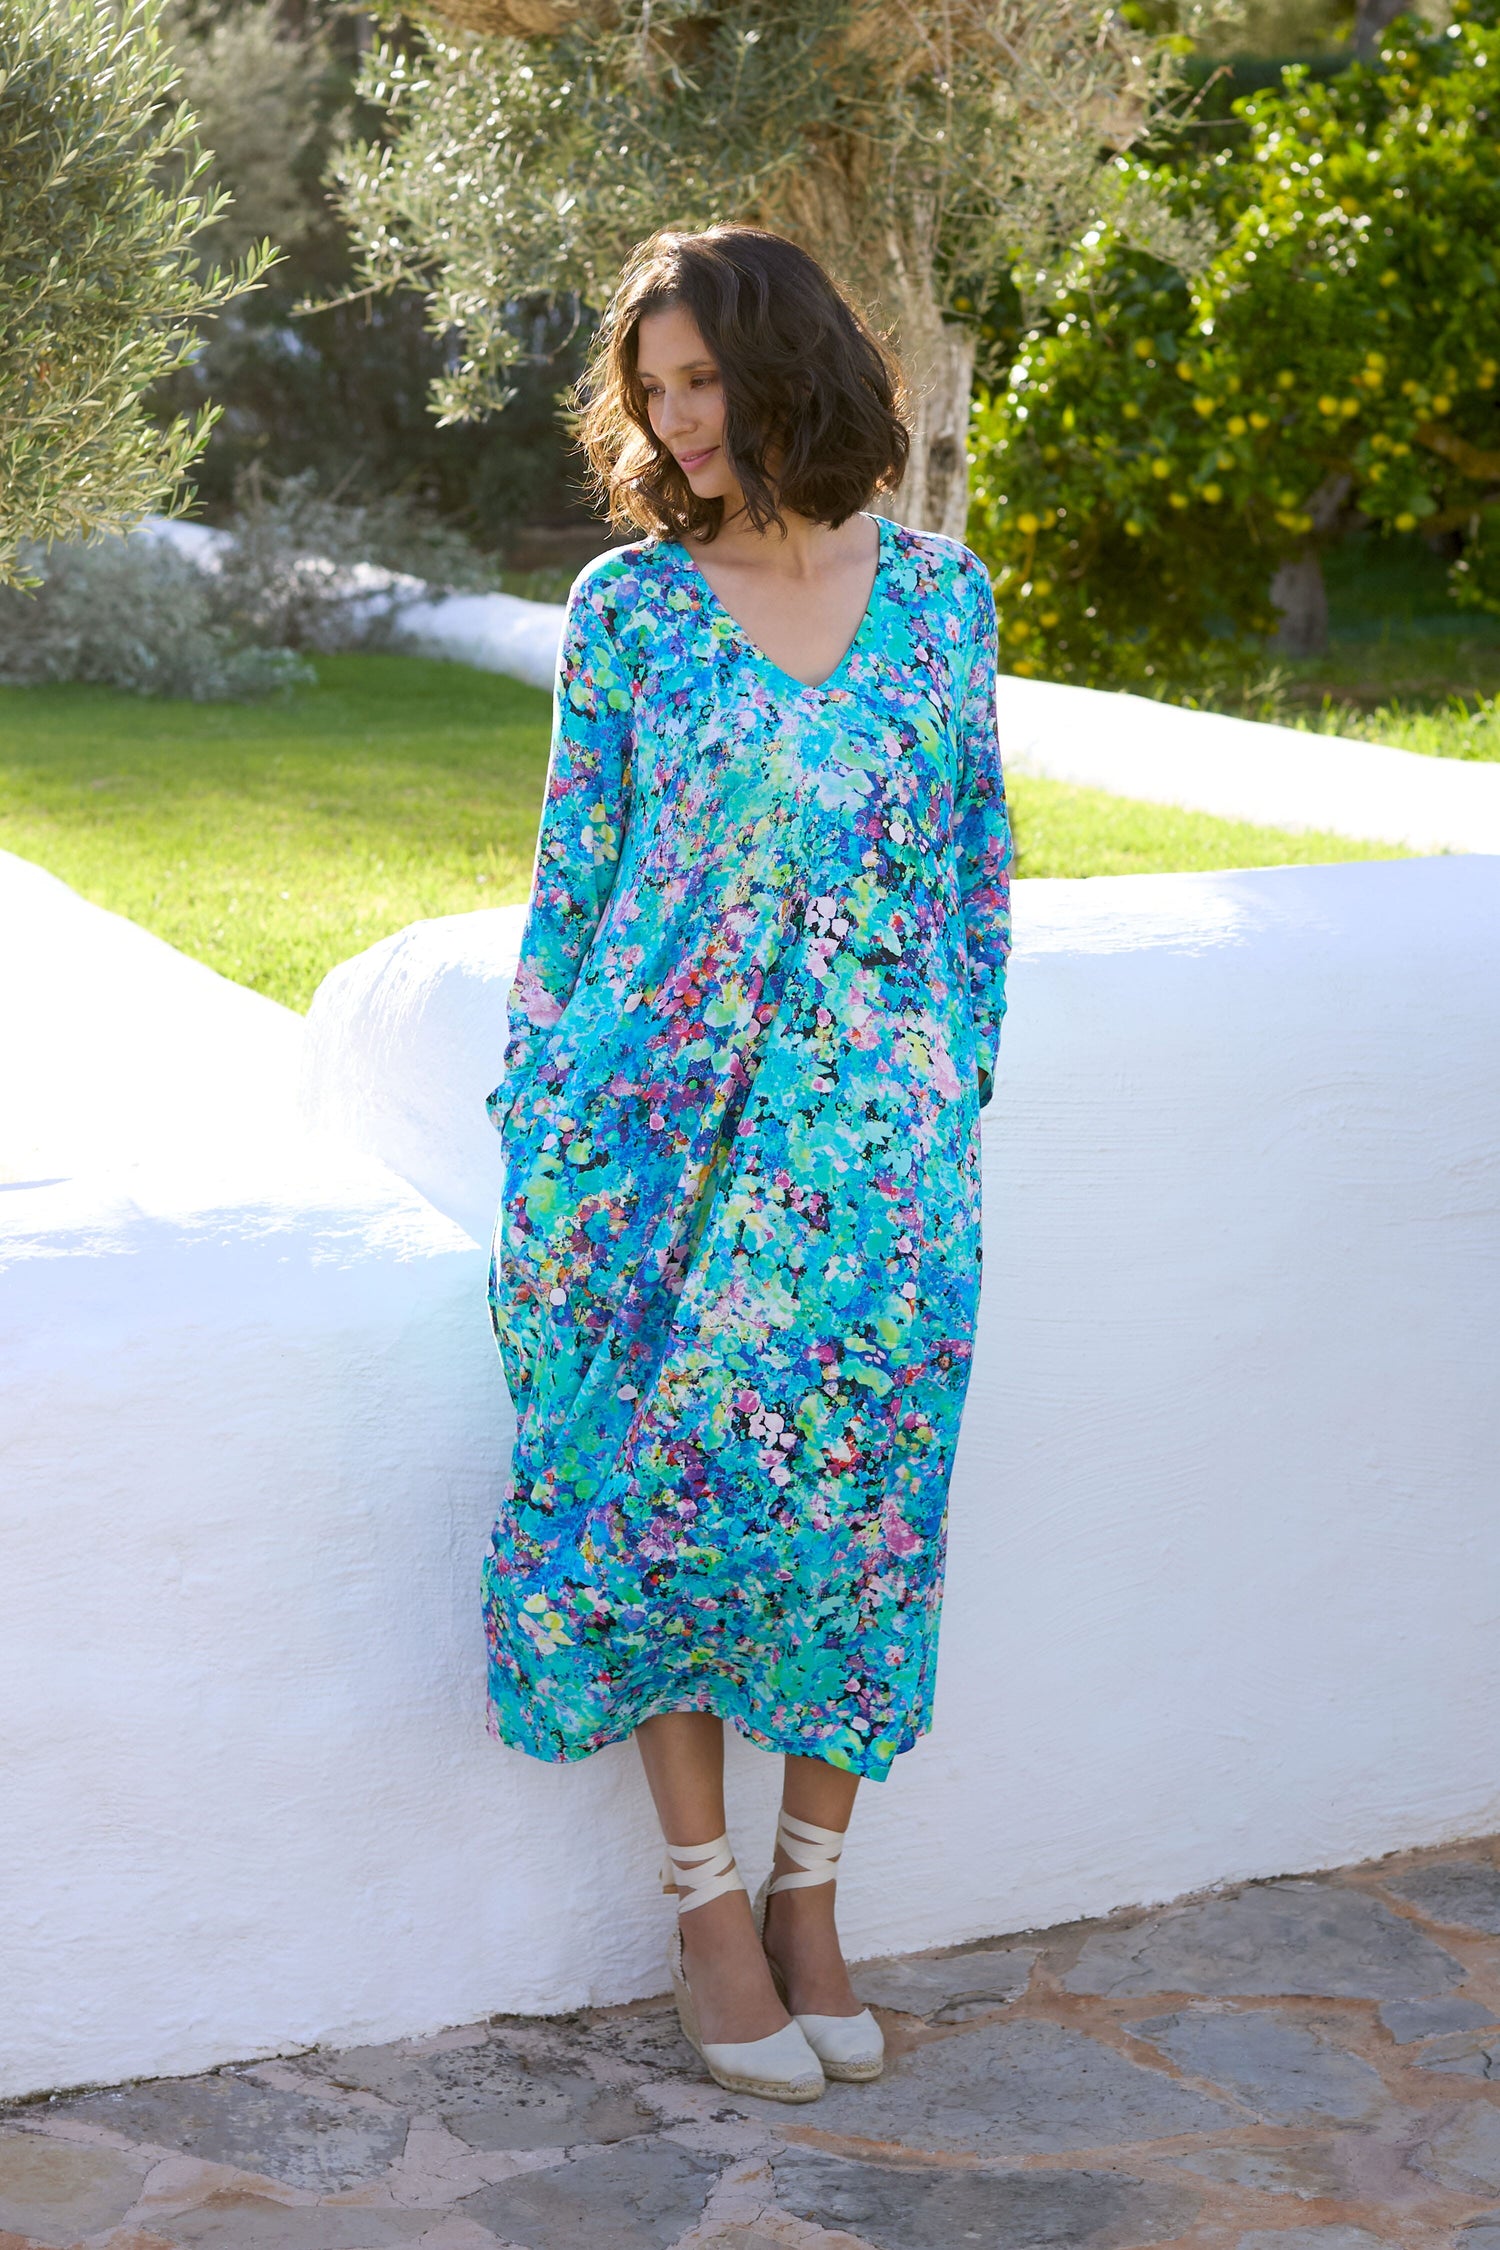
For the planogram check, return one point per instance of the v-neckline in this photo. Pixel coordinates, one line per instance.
(753, 648)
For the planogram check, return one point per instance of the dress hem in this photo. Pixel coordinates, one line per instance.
(872, 1771)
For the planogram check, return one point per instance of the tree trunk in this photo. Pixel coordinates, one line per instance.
(1298, 590)
(1299, 593)
(1370, 20)
(832, 208)
(934, 494)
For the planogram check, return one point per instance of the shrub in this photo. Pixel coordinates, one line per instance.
(134, 614)
(297, 571)
(304, 570)
(1164, 446)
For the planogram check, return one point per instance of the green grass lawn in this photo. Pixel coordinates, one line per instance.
(274, 840)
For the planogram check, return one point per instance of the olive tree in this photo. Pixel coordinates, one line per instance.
(100, 288)
(925, 150)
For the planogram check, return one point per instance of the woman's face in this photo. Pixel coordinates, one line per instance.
(685, 399)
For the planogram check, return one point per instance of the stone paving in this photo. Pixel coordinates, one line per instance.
(1311, 2063)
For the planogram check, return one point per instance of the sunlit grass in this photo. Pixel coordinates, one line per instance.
(1064, 830)
(274, 841)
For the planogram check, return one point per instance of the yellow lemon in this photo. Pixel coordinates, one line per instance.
(1236, 425)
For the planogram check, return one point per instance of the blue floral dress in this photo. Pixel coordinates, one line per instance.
(737, 1262)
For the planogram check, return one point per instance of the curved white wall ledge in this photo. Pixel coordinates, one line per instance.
(1127, 744)
(1242, 770)
(1223, 1535)
(1200, 760)
(116, 1046)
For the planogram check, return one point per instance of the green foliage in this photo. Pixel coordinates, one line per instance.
(922, 152)
(294, 571)
(338, 392)
(1163, 445)
(132, 614)
(100, 291)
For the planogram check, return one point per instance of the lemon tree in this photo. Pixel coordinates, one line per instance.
(1164, 447)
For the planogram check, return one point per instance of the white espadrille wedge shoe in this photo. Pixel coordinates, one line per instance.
(851, 2048)
(782, 2067)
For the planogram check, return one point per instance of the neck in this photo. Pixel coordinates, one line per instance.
(802, 548)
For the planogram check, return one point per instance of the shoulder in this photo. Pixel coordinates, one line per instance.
(618, 585)
(935, 567)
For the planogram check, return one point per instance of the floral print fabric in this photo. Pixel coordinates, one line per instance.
(737, 1262)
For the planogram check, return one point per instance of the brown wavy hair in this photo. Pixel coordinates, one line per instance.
(805, 379)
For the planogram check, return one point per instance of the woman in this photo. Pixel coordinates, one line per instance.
(754, 1022)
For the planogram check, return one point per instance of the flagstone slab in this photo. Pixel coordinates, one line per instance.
(1287, 2073)
(1312, 2238)
(245, 2221)
(636, 2196)
(1463, 1892)
(1293, 1937)
(1308, 2172)
(950, 1990)
(493, 2097)
(226, 2117)
(1406, 2020)
(1001, 2210)
(1464, 2153)
(1480, 2234)
(1005, 2090)
(52, 2192)
(1464, 2054)
(651, 2043)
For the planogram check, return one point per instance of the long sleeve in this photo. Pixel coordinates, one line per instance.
(982, 837)
(584, 816)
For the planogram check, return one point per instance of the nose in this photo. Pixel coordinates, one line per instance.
(674, 414)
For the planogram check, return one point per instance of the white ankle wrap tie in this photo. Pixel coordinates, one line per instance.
(815, 1850)
(699, 1872)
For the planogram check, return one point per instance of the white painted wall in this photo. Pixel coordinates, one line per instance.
(1224, 1524)
(112, 1042)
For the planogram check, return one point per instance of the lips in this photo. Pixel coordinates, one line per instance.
(690, 461)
